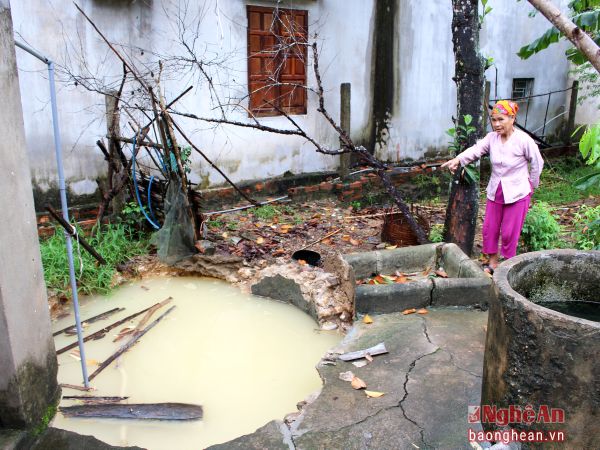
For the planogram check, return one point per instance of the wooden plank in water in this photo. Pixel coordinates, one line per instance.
(126, 346)
(101, 333)
(94, 398)
(104, 315)
(139, 411)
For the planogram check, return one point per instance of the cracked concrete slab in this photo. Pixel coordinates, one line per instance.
(430, 375)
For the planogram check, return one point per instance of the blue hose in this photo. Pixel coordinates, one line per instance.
(137, 192)
(150, 198)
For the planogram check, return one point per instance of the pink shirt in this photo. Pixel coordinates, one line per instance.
(509, 164)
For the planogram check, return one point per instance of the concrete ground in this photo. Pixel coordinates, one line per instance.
(430, 376)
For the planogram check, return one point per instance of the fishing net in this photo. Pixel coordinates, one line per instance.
(175, 239)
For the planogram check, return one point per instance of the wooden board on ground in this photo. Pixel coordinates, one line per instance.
(139, 411)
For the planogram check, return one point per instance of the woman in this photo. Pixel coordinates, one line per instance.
(511, 184)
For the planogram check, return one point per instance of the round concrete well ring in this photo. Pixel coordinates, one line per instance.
(540, 357)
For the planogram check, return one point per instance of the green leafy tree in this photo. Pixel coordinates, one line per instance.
(581, 27)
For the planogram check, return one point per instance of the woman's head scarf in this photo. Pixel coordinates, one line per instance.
(506, 107)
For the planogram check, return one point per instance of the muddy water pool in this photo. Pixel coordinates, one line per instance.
(246, 360)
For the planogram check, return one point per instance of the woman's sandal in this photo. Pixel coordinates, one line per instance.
(488, 269)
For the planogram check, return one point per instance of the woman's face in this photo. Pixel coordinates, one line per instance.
(502, 124)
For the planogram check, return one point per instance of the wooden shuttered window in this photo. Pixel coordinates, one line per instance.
(277, 60)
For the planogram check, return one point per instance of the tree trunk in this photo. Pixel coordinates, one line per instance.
(461, 214)
(580, 39)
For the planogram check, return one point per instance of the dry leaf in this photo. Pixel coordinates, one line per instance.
(301, 262)
(409, 311)
(367, 319)
(422, 311)
(374, 394)
(346, 238)
(391, 247)
(326, 241)
(225, 235)
(357, 383)
(92, 362)
(361, 363)
(346, 376)
(369, 357)
(354, 242)
(279, 252)
(285, 228)
(260, 240)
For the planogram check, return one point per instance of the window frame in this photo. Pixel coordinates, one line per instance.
(280, 61)
(527, 89)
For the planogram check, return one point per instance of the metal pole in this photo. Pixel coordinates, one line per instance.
(546, 115)
(63, 203)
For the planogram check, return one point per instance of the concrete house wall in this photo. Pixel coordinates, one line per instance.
(424, 97)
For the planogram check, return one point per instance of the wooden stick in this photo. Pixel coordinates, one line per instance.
(94, 398)
(322, 239)
(71, 230)
(128, 345)
(77, 388)
(91, 320)
(100, 333)
(145, 319)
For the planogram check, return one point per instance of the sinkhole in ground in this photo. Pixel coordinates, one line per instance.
(247, 360)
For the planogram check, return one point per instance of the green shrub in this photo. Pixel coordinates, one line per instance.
(115, 242)
(437, 233)
(541, 230)
(587, 228)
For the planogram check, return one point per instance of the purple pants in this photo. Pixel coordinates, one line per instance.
(506, 220)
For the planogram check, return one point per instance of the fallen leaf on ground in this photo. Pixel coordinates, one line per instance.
(367, 319)
(422, 311)
(441, 273)
(260, 240)
(361, 363)
(301, 262)
(346, 376)
(409, 311)
(279, 252)
(346, 238)
(285, 228)
(92, 362)
(357, 383)
(374, 394)
(391, 247)
(326, 241)
(354, 242)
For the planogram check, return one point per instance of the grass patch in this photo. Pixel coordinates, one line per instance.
(115, 242)
(269, 212)
(557, 182)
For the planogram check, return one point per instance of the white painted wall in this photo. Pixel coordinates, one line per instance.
(425, 93)
(55, 28)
